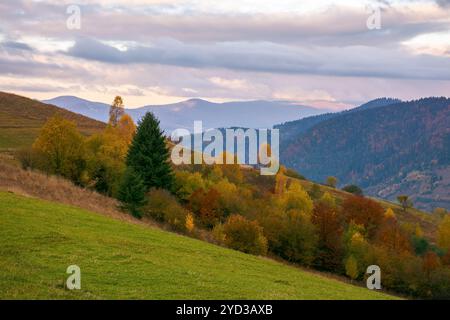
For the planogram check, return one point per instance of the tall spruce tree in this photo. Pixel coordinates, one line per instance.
(148, 155)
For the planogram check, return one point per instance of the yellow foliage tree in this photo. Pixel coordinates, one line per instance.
(280, 181)
(190, 222)
(389, 214)
(444, 233)
(296, 198)
(63, 148)
(351, 268)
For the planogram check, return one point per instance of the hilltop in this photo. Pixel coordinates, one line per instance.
(21, 119)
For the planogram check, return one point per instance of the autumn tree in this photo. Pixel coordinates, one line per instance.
(63, 148)
(244, 235)
(390, 234)
(205, 204)
(430, 262)
(315, 191)
(444, 233)
(291, 235)
(116, 111)
(440, 213)
(331, 181)
(351, 268)
(107, 152)
(328, 225)
(148, 155)
(296, 198)
(280, 181)
(363, 211)
(164, 207)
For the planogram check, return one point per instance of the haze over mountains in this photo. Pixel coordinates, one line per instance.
(249, 114)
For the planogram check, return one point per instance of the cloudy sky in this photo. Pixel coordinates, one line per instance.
(316, 52)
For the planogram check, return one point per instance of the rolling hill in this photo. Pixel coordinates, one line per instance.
(41, 239)
(399, 148)
(21, 119)
(249, 114)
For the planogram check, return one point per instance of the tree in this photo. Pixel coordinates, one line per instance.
(244, 235)
(148, 155)
(296, 198)
(430, 262)
(353, 189)
(315, 191)
(328, 224)
(351, 268)
(116, 111)
(444, 233)
(205, 204)
(291, 235)
(132, 193)
(391, 236)
(440, 213)
(190, 225)
(404, 201)
(63, 148)
(107, 152)
(331, 181)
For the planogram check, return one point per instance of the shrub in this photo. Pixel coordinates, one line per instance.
(244, 235)
(205, 204)
(164, 207)
(353, 189)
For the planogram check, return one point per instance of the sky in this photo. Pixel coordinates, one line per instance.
(327, 54)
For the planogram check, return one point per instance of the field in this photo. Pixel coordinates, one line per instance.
(120, 259)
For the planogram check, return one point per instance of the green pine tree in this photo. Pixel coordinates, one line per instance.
(148, 155)
(132, 192)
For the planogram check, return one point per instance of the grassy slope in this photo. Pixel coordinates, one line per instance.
(123, 260)
(21, 118)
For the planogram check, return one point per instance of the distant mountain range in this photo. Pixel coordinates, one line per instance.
(386, 146)
(249, 114)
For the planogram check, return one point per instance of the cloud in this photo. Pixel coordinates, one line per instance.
(354, 61)
(443, 3)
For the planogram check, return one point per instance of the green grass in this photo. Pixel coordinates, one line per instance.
(40, 239)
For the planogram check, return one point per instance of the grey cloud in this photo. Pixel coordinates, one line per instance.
(443, 3)
(15, 45)
(356, 61)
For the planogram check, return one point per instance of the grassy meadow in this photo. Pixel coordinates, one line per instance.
(119, 259)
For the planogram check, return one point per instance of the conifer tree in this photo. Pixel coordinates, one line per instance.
(132, 193)
(148, 155)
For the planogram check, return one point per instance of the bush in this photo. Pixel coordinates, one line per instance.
(164, 207)
(292, 236)
(353, 189)
(244, 235)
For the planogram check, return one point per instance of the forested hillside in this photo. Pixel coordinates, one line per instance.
(401, 148)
